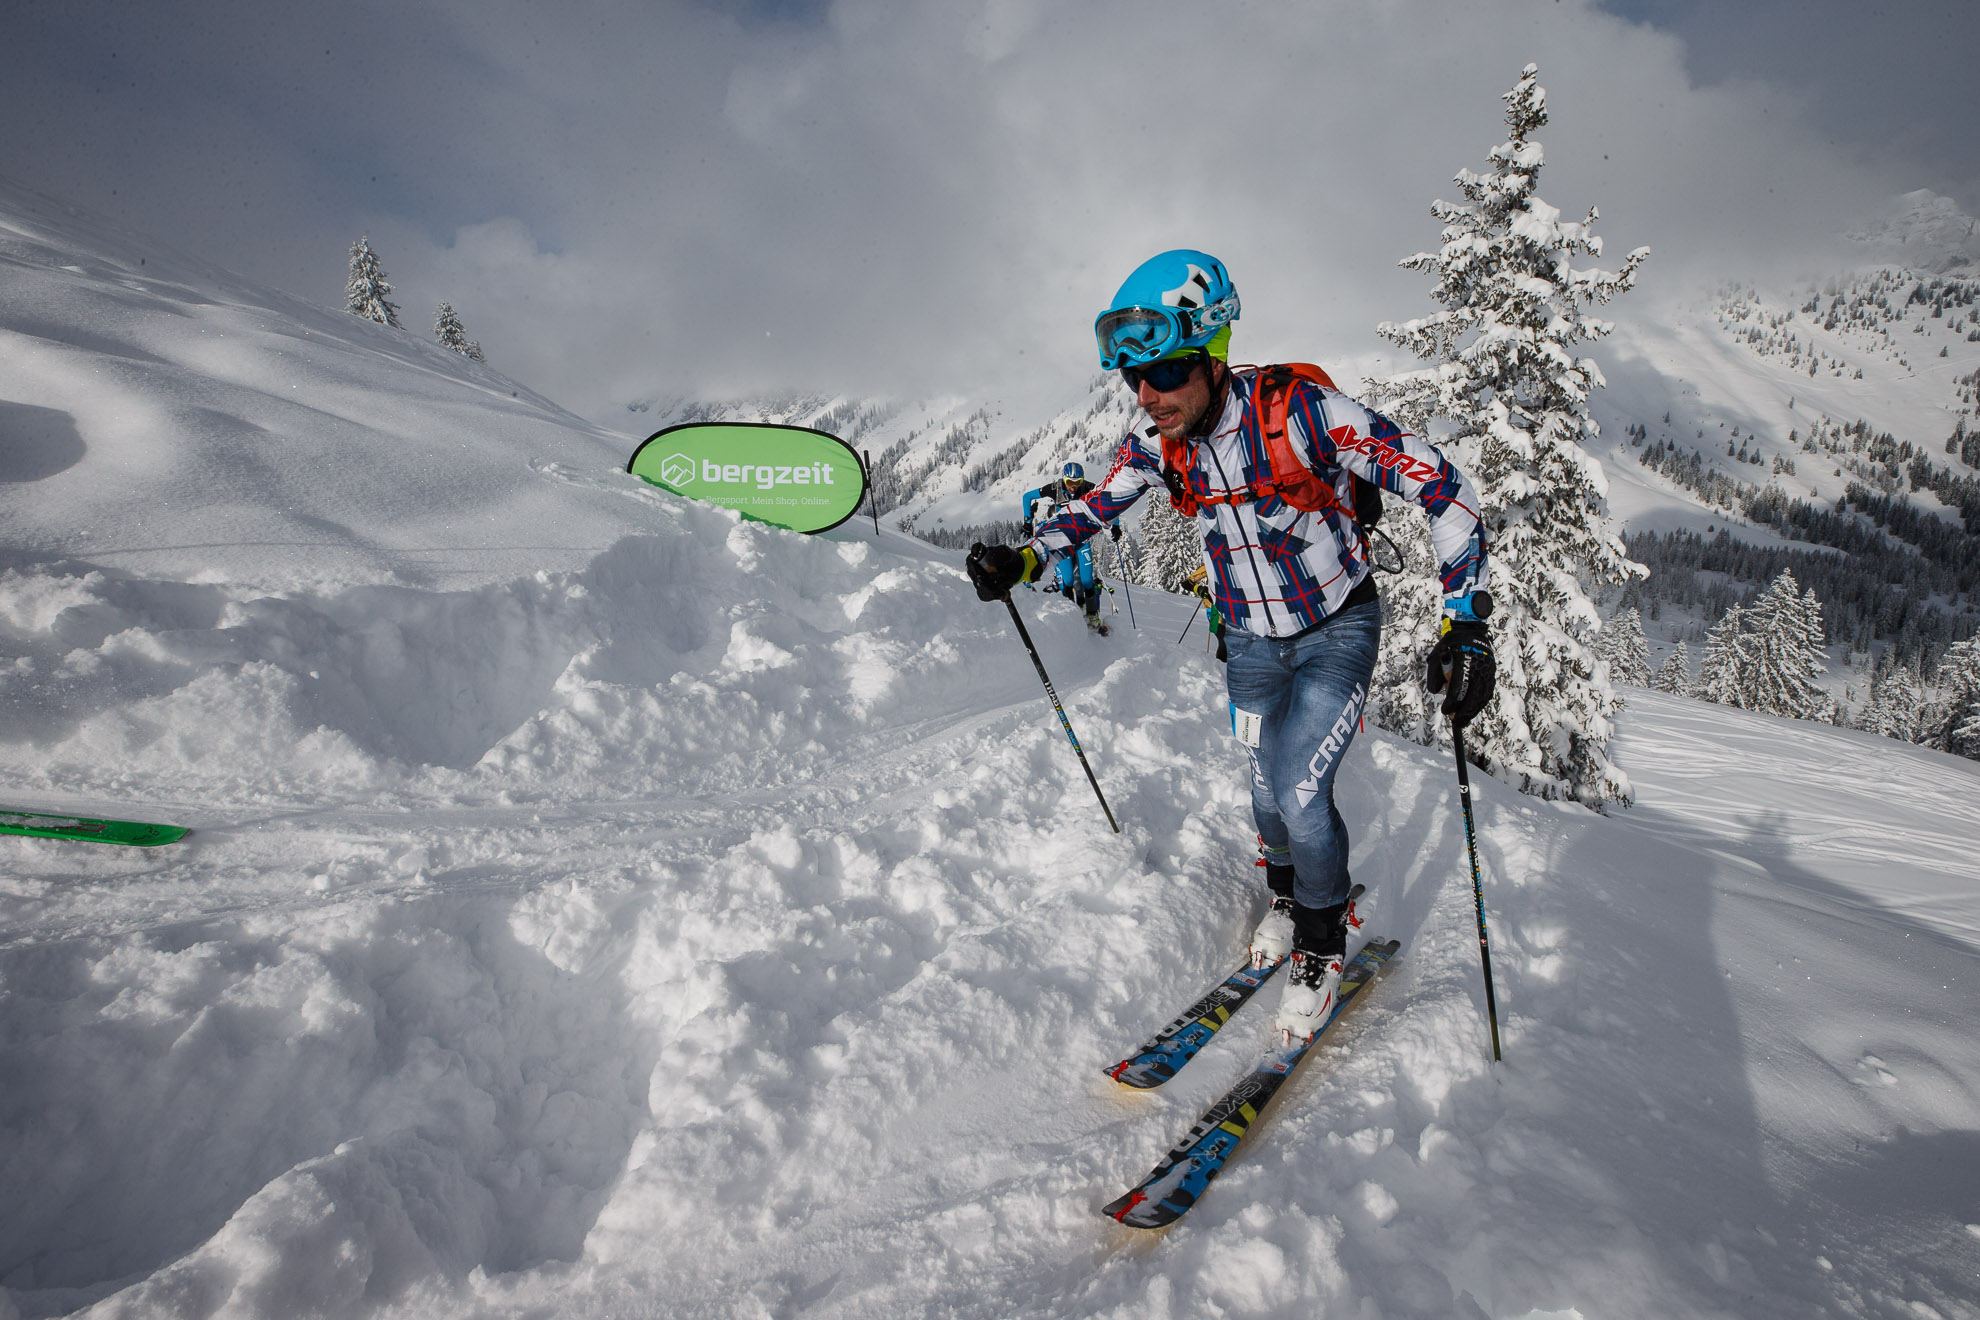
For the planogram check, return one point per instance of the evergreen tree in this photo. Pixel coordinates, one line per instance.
(1411, 615)
(1504, 374)
(1171, 547)
(1767, 656)
(368, 292)
(1896, 705)
(447, 328)
(1622, 644)
(1785, 654)
(1674, 675)
(1720, 672)
(1959, 679)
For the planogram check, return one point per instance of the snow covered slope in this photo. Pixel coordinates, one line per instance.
(160, 416)
(1735, 367)
(713, 921)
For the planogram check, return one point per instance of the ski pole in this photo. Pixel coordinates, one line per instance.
(873, 496)
(1072, 737)
(1121, 564)
(1192, 620)
(1477, 884)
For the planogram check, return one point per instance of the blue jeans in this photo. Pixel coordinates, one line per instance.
(1305, 696)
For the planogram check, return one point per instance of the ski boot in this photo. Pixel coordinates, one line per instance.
(1313, 976)
(1273, 939)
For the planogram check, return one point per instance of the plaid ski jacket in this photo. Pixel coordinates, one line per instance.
(1277, 570)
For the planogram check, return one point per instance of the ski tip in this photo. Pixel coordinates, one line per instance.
(1139, 1210)
(84, 829)
(1382, 949)
(1138, 1079)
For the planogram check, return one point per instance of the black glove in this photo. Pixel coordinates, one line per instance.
(995, 569)
(1463, 669)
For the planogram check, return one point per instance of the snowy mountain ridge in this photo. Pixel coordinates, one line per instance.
(1926, 231)
(1704, 359)
(598, 905)
(1746, 412)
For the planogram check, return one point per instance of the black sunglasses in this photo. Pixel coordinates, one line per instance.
(1165, 375)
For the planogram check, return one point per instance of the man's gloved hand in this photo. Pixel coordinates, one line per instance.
(995, 569)
(1461, 664)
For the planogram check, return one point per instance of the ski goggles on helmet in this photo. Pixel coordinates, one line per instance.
(1165, 374)
(1130, 336)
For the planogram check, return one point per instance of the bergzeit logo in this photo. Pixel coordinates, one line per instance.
(768, 476)
(677, 470)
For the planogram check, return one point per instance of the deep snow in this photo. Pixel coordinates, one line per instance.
(693, 918)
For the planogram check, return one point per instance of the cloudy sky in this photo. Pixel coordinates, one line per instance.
(633, 198)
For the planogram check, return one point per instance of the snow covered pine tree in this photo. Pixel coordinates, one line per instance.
(447, 328)
(1896, 707)
(367, 295)
(1788, 658)
(1171, 548)
(1674, 675)
(1959, 679)
(1622, 645)
(1768, 656)
(1719, 674)
(1504, 374)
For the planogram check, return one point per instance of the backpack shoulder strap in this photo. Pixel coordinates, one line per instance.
(1291, 480)
(1175, 474)
(1296, 483)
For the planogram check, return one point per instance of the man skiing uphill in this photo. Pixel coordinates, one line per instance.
(1078, 579)
(1264, 460)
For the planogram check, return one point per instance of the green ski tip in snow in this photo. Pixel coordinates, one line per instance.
(135, 833)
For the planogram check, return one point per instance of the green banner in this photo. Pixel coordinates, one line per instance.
(793, 476)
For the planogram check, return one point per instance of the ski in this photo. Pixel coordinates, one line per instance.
(1163, 1054)
(88, 829)
(1174, 1185)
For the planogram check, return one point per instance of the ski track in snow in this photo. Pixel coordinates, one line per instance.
(704, 920)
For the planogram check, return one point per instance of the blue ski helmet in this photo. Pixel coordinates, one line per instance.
(1176, 301)
(1073, 472)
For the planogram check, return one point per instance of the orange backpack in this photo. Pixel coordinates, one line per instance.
(1292, 480)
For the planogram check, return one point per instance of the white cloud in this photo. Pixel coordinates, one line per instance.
(623, 199)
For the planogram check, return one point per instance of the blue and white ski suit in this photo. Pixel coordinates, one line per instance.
(1077, 576)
